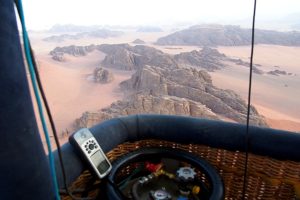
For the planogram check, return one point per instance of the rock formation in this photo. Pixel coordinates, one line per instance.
(58, 53)
(210, 59)
(193, 85)
(177, 91)
(146, 104)
(207, 58)
(246, 64)
(59, 56)
(118, 57)
(102, 75)
(277, 72)
(218, 35)
(126, 57)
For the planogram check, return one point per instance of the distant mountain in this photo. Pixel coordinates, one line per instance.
(58, 28)
(296, 26)
(99, 33)
(138, 41)
(218, 35)
(149, 29)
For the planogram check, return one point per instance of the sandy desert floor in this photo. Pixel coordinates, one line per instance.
(275, 97)
(70, 92)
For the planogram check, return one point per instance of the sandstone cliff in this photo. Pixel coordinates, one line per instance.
(126, 57)
(193, 85)
(146, 104)
(207, 58)
(178, 91)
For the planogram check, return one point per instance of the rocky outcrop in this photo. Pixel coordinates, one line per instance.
(193, 85)
(102, 75)
(88, 119)
(246, 64)
(118, 57)
(207, 58)
(138, 41)
(176, 91)
(210, 59)
(150, 104)
(218, 35)
(126, 57)
(74, 50)
(277, 72)
(59, 56)
(121, 56)
(58, 53)
(146, 104)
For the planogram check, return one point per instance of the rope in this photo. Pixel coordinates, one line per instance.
(249, 102)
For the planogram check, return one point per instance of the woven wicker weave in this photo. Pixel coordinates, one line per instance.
(267, 178)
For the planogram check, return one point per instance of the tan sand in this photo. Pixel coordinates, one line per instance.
(275, 97)
(284, 125)
(69, 91)
(279, 120)
(175, 49)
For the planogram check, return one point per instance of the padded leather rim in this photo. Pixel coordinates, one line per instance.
(144, 153)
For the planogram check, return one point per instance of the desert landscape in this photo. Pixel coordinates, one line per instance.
(93, 76)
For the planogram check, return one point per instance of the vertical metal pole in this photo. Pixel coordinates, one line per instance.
(24, 168)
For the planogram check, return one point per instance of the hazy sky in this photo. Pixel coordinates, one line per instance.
(41, 14)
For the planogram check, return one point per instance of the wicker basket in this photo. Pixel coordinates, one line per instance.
(267, 178)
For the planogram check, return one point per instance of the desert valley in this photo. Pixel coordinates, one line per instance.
(201, 71)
